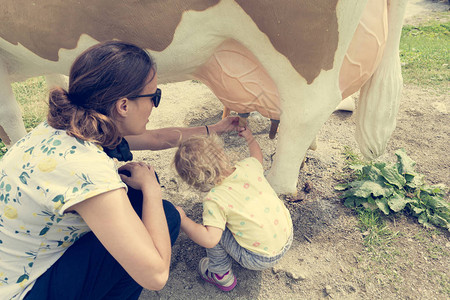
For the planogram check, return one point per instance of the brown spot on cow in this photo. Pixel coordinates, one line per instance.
(309, 39)
(44, 27)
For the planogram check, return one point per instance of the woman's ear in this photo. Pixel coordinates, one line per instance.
(122, 107)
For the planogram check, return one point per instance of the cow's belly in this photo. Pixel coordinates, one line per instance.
(239, 80)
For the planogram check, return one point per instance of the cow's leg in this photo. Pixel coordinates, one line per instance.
(300, 122)
(380, 96)
(306, 107)
(273, 128)
(11, 122)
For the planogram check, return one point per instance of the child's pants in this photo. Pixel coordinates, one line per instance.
(220, 256)
(87, 270)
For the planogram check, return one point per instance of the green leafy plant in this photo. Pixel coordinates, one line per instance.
(392, 188)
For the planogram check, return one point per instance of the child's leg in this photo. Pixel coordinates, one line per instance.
(244, 257)
(216, 268)
(219, 256)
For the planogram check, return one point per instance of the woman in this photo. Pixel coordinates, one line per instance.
(71, 226)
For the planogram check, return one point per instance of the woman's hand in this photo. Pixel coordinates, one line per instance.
(141, 176)
(226, 125)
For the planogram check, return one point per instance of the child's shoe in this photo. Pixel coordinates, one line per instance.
(226, 282)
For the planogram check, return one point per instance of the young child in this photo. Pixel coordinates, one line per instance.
(243, 218)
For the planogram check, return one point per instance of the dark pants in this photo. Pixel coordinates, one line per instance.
(87, 270)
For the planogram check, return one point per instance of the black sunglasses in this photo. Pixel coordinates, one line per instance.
(156, 97)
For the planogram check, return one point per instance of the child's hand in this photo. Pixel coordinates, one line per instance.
(141, 175)
(255, 150)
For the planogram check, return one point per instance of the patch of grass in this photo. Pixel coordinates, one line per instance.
(436, 252)
(377, 236)
(424, 236)
(424, 53)
(32, 96)
(442, 279)
(350, 159)
(380, 256)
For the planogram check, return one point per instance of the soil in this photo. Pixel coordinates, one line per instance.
(328, 258)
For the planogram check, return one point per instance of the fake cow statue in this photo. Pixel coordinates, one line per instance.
(291, 60)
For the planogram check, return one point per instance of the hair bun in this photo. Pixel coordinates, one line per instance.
(72, 98)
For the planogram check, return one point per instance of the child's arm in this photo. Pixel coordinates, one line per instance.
(253, 146)
(205, 236)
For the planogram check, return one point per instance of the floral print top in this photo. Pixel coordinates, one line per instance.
(41, 177)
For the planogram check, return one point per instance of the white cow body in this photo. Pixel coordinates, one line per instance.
(304, 106)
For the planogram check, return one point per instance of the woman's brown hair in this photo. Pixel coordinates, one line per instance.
(101, 75)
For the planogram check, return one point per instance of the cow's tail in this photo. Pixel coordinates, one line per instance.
(380, 96)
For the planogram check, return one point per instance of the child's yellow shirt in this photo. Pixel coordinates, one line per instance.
(247, 204)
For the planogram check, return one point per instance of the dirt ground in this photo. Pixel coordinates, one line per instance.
(327, 258)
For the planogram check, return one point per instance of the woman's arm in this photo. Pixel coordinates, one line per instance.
(142, 247)
(205, 236)
(164, 138)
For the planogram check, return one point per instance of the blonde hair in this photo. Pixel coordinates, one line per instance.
(201, 161)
